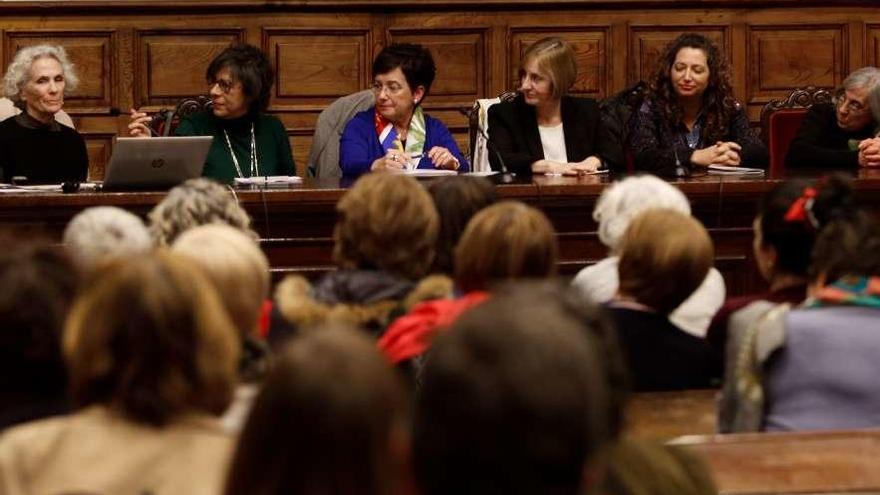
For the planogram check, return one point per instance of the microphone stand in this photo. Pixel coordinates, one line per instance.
(506, 176)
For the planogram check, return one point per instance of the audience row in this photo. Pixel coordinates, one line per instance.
(157, 361)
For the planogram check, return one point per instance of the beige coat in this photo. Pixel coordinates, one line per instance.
(97, 452)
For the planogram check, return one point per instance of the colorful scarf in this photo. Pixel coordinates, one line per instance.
(415, 138)
(850, 291)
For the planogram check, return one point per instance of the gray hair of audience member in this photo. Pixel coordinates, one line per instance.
(624, 200)
(18, 72)
(196, 202)
(235, 265)
(100, 233)
(514, 400)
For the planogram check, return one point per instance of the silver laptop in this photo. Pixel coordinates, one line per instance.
(158, 162)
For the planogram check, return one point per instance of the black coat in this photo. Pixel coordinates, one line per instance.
(513, 132)
(821, 143)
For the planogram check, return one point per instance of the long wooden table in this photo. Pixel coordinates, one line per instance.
(296, 223)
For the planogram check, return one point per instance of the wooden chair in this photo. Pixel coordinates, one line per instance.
(666, 415)
(781, 119)
(796, 462)
(165, 120)
(478, 129)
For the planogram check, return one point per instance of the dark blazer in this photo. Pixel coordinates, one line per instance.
(513, 132)
(660, 355)
(821, 143)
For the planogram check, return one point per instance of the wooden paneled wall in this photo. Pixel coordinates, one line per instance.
(132, 53)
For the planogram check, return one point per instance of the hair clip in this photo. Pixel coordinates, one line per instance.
(802, 208)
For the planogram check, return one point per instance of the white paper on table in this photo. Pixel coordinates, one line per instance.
(723, 169)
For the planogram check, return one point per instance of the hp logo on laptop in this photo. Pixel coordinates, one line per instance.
(157, 163)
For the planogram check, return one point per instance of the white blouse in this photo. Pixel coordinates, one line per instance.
(553, 142)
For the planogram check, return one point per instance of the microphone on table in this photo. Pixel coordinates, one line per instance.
(506, 176)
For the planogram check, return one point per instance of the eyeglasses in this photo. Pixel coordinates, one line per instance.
(391, 88)
(225, 85)
(852, 106)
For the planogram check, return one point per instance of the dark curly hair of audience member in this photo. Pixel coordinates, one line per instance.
(38, 283)
(415, 61)
(516, 398)
(719, 104)
(331, 418)
(249, 65)
(386, 222)
(457, 200)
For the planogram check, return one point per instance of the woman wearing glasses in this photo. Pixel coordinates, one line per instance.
(690, 119)
(247, 142)
(838, 135)
(397, 134)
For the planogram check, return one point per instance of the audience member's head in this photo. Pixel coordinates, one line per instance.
(508, 240)
(664, 257)
(788, 221)
(100, 233)
(150, 339)
(457, 199)
(554, 58)
(642, 468)
(193, 203)
(853, 99)
(846, 247)
(624, 200)
(235, 265)
(514, 400)
(386, 222)
(38, 283)
(331, 417)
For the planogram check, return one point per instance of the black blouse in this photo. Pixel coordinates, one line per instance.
(45, 154)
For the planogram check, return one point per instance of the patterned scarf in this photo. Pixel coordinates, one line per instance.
(850, 291)
(415, 138)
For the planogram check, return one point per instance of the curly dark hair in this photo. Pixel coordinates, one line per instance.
(251, 67)
(718, 102)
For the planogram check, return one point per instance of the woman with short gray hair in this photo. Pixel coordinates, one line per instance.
(34, 147)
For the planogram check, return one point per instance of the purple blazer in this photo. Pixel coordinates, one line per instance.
(359, 146)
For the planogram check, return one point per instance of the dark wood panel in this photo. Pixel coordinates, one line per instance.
(317, 66)
(783, 58)
(171, 64)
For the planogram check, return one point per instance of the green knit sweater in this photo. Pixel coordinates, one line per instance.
(273, 146)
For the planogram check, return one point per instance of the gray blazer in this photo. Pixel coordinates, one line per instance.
(324, 156)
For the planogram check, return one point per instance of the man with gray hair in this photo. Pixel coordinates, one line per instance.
(840, 135)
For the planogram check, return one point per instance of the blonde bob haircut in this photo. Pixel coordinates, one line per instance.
(235, 265)
(554, 57)
(508, 240)
(665, 255)
(150, 339)
(387, 222)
